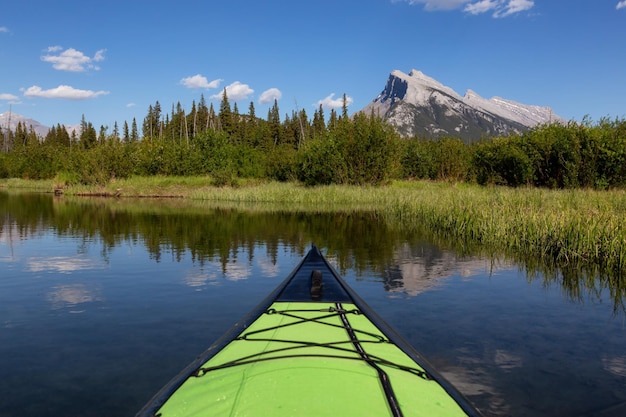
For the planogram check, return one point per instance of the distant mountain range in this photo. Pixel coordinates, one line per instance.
(418, 105)
(10, 120)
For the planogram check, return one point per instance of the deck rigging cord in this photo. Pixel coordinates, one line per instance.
(287, 352)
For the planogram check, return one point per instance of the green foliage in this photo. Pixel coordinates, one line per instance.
(359, 150)
(282, 163)
(322, 162)
(66, 178)
(446, 159)
(501, 162)
(452, 159)
(371, 150)
(418, 160)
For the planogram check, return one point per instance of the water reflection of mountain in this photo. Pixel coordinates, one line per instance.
(422, 267)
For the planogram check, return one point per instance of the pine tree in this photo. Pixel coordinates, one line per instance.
(319, 124)
(63, 136)
(273, 120)
(247, 126)
(116, 131)
(237, 133)
(51, 136)
(333, 121)
(134, 134)
(151, 123)
(102, 136)
(57, 135)
(252, 113)
(212, 119)
(146, 127)
(225, 116)
(88, 136)
(344, 107)
(203, 115)
(177, 125)
(303, 124)
(193, 123)
(83, 124)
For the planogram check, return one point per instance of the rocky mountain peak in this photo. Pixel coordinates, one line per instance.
(417, 104)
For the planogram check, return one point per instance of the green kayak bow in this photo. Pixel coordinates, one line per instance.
(311, 348)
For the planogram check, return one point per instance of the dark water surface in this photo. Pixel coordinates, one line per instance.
(103, 301)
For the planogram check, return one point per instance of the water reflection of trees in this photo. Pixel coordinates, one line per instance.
(355, 239)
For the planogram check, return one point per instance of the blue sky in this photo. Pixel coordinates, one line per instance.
(111, 60)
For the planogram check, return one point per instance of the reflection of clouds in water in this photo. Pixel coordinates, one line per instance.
(237, 272)
(197, 279)
(268, 268)
(63, 264)
(615, 364)
(210, 273)
(71, 295)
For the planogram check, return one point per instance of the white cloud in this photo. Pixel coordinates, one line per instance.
(129, 105)
(8, 97)
(199, 81)
(481, 6)
(236, 91)
(72, 60)
(62, 91)
(621, 5)
(4, 29)
(513, 6)
(99, 56)
(500, 8)
(268, 96)
(334, 103)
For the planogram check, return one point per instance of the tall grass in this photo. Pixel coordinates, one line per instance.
(581, 229)
(22, 184)
(577, 235)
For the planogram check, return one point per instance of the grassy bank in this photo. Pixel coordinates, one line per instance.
(570, 229)
(574, 227)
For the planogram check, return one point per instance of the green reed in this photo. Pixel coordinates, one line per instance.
(575, 236)
(570, 228)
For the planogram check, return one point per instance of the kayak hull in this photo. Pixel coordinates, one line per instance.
(309, 351)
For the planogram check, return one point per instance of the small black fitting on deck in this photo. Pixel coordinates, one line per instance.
(316, 284)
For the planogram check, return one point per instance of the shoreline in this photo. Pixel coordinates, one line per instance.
(576, 230)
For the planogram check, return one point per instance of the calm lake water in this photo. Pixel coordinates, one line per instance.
(103, 301)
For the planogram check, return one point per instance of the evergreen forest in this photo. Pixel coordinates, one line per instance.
(227, 145)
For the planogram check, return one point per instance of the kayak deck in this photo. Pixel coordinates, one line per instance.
(306, 359)
(311, 348)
